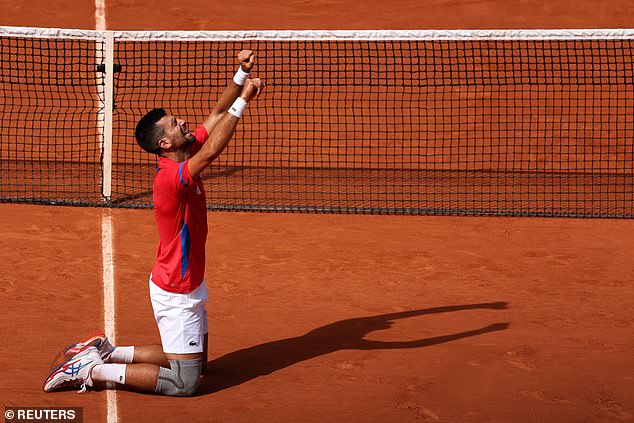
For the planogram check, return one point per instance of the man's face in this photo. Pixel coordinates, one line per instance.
(176, 131)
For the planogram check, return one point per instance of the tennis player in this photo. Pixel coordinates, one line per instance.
(177, 287)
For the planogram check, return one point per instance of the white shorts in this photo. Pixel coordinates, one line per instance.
(181, 319)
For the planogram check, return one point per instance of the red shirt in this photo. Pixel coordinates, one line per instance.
(180, 209)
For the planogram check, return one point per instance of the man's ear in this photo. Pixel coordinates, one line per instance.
(164, 144)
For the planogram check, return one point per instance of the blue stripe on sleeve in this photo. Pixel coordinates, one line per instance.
(180, 173)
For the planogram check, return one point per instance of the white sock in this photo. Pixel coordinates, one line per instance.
(109, 373)
(121, 355)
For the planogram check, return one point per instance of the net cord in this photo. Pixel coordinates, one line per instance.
(301, 35)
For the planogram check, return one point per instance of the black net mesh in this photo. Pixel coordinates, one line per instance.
(478, 127)
(50, 142)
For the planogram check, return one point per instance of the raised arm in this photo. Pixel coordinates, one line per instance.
(223, 128)
(232, 91)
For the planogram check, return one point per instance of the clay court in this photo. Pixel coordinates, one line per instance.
(336, 317)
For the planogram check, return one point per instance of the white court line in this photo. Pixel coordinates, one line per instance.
(107, 253)
(100, 15)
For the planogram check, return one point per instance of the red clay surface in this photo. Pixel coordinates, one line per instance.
(330, 318)
(323, 14)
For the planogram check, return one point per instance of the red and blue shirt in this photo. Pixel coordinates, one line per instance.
(180, 210)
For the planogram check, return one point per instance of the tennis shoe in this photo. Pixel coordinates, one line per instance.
(75, 373)
(96, 339)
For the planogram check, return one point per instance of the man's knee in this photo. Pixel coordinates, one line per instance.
(181, 380)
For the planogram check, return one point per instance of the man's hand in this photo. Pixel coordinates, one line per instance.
(247, 60)
(252, 88)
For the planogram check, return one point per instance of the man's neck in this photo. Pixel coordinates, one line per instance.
(177, 156)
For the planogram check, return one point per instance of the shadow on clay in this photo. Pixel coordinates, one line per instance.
(247, 364)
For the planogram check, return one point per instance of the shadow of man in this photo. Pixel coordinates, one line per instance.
(244, 365)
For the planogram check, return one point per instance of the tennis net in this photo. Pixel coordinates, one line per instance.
(521, 123)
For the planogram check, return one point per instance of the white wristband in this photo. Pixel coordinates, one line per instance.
(237, 107)
(240, 77)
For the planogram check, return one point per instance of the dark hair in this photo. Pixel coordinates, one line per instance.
(148, 133)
